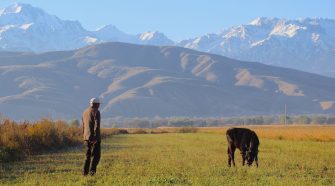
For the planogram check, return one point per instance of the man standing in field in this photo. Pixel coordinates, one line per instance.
(91, 132)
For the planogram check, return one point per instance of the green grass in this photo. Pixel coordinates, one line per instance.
(181, 159)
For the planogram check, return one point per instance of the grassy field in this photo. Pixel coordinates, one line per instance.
(182, 159)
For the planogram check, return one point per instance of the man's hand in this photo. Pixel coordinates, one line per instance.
(93, 142)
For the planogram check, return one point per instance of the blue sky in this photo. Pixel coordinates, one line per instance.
(178, 19)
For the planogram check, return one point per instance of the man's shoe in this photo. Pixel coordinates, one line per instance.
(92, 173)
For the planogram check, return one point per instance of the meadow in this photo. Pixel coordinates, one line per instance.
(294, 155)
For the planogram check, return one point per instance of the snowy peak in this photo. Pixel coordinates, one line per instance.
(262, 21)
(203, 43)
(22, 12)
(27, 28)
(287, 30)
(111, 33)
(15, 9)
(304, 44)
(108, 28)
(154, 38)
(150, 35)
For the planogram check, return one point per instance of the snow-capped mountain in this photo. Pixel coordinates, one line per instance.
(148, 81)
(111, 33)
(27, 28)
(304, 44)
(154, 38)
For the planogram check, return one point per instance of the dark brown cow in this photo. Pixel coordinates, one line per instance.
(246, 141)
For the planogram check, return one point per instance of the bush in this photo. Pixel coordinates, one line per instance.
(139, 131)
(31, 138)
(123, 131)
(187, 130)
(112, 131)
(20, 139)
(158, 131)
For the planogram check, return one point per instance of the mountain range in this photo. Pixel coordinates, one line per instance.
(148, 81)
(51, 67)
(27, 28)
(304, 44)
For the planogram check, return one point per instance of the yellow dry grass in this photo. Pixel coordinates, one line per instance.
(290, 132)
(281, 132)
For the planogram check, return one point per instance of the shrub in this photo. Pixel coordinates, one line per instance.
(187, 130)
(123, 131)
(139, 131)
(159, 131)
(112, 131)
(26, 138)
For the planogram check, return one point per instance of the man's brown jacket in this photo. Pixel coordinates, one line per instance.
(91, 124)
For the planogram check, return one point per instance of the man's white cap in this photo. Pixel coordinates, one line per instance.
(94, 100)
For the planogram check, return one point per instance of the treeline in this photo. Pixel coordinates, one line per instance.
(214, 122)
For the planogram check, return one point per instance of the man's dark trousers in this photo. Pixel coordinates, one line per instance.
(93, 151)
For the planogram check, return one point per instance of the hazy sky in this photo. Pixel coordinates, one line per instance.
(178, 19)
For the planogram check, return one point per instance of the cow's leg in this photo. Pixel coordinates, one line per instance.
(231, 150)
(229, 157)
(243, 157)
(256, 160)
(243, 154)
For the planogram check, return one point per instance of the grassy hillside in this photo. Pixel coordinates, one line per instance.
(182, 159)
(147, 81)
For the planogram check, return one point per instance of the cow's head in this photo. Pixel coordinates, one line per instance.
(251, 156)
(252, 153)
